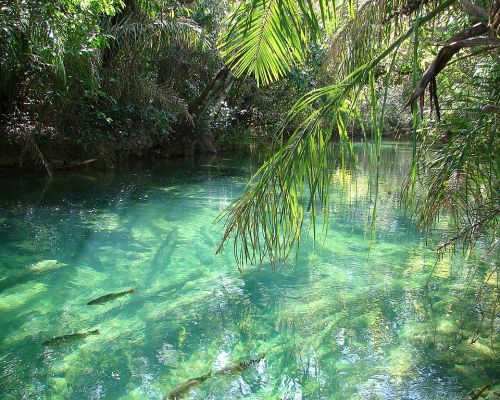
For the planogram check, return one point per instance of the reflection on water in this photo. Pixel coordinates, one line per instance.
(352, 320)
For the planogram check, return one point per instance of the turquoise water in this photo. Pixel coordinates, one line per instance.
(353, 319)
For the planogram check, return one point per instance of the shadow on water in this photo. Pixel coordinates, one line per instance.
(163, 256)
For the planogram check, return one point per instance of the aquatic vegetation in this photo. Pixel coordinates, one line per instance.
(352, 319)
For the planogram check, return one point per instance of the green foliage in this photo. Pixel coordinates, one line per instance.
(108, 121)
(266, 39)
(238, 139)
(82, 71)
(375, 47)
(458, 164)
(267, 219)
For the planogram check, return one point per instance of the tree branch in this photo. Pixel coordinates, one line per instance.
(491, 108)
(466, 38)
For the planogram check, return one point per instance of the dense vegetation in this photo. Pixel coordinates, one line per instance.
(109, 80)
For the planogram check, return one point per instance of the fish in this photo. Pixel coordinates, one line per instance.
(181, 390)
(240, 367)
(69, 338)
(109, 297)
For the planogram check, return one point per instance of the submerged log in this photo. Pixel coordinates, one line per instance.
(475, 395)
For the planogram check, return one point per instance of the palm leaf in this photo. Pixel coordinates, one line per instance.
(266, 221)
(268, 37)
(140, 29)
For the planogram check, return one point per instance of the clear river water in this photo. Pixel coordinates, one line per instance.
(352, 318)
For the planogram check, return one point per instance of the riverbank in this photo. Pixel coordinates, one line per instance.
(48, 153)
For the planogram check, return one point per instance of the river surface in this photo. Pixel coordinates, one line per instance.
(353, 318)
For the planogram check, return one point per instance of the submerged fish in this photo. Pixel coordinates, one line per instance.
(69, 338)
(240, 367)
(109, 297)
(181, 390)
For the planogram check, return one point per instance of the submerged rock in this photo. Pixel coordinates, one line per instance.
(46, 266)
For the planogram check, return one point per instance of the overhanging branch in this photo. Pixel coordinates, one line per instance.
(465, 39)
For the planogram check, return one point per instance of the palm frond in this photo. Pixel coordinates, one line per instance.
(266, 42)
(267, 38)
(266, 221)
(356, 41)
(153, 32)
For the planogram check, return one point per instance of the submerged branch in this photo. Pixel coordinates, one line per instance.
(470, 231)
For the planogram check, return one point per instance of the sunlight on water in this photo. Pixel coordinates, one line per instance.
(352, 320)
